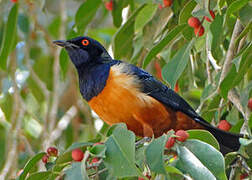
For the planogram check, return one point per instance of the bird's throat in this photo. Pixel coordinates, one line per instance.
(92, 79)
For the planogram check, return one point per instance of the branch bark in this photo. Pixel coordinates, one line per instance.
(231, 50)
(16, 120)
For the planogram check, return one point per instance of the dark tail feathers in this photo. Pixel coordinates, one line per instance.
(228, 141)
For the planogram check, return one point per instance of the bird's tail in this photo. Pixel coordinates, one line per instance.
(228, 141)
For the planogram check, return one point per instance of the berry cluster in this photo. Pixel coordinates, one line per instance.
(51, 151)
(195, 23)
(181, 136)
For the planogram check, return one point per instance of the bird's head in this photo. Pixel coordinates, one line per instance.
(84, 50)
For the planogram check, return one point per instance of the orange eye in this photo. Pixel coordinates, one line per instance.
(85, 42)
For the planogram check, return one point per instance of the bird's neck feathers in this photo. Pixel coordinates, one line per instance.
(92, 79)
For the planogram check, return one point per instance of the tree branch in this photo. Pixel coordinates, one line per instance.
(62, 124)
(231, 50)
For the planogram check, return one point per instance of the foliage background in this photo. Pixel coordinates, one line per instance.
(40, 104)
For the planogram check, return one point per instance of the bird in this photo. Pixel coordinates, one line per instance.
(120, 92)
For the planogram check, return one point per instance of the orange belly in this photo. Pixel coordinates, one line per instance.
(122, 101)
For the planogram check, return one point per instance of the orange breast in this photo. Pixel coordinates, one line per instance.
(122, 101)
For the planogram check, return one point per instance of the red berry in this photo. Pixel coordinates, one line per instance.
(77, 154)
(160, 6)
(243, 176)
(140, 178)
(250, 104)
(148, 176)
(14, 1)
(109, 5)
(193, 22)
(94, 160)
(224, 125)
(170, 142)
(52, 151)
(167, 3)
(212, 14)
(182, 135)
(45, 158)
(199, 31)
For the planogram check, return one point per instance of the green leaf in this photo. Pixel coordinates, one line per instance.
(245, 94)
(202, 150)
(173, 170)
(233, 77)
(174, 68)
(79, 145)
(98, 150)
(122, 42)
(235, 6)
(188, 163)
(140, 158)
(85, 14)
(6, 104)
(186, 12)
(115, 126)
(156, 26)
(245, 14)
(9, 36)
(244, 32)
(208, 114)
(3, 141)
(43, 175)
(118, 6)
(30, 164)
(154, 154)
(184, 15)
(54, 27)
(84, 173)
(233, 116)
(204, 136)
(208, 90)
(230, 157)
(64, 61)
(43, 68)
(23, 23)
(75, 172)
(215, 36)
(144, 16)
(120, 154)
(161, 44)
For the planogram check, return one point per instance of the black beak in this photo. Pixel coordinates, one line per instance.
(64, 44)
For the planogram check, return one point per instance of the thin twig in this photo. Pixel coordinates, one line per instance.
(234, 98)
(16, 124)
(231, 50)
(56, 72)
(99, 172)
(209, 77)
(241, 43)
(211, 58)
(28, 145)
(62, 124)
(53, 109)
